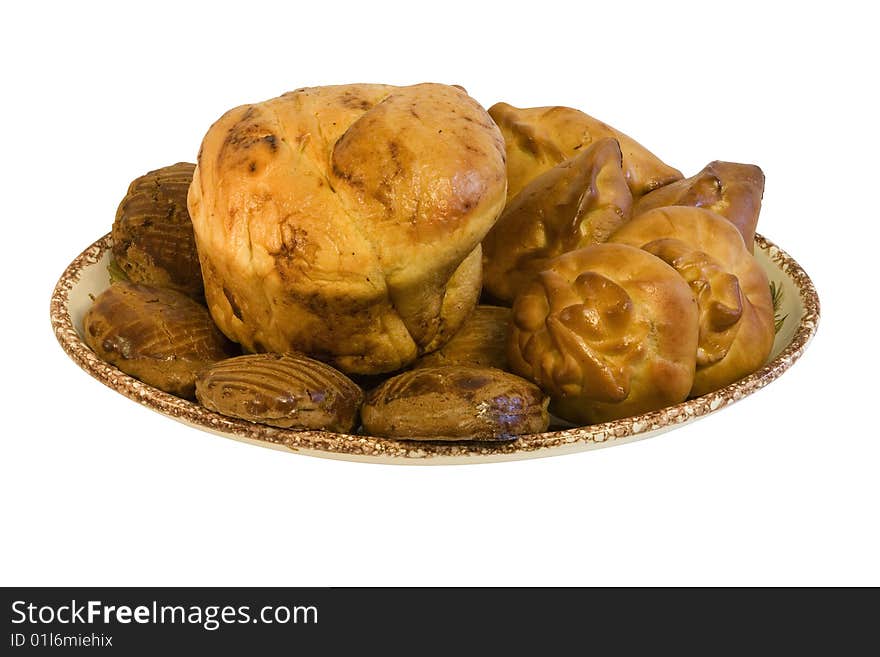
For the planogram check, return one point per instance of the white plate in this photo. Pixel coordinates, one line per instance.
(87, 276)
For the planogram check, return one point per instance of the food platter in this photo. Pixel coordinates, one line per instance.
(87, 276)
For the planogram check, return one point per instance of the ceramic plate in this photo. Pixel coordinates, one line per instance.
(87, 276)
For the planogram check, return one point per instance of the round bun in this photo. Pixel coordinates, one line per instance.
(344, 222)
(732, 290)
(608, 331)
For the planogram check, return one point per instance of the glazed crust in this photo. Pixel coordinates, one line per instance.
(283, 390)
(727, 188)
(331, 220)
(731, 288)
(539, 138)
(455, 402)
(481, 341)
(608, 331)
(153, 241)
(576, 203)
(159, 336)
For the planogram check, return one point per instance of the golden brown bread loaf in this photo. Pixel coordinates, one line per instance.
(160, 336)
(153, 240)
(731, 288)
(539, 138)
(481, 341)
(344, 222)
(608, 331)
(579, 202)
(455, 402)
(284, 390)
(732, 190)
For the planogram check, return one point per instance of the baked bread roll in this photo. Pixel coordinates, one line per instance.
(344, 222)
(608, 331)
(455, 402)
(153, 242)
(579, 202)
(481, 341)
(732, 190)
(290, 391)
(157, 335)
(731, 288)
(539, 138)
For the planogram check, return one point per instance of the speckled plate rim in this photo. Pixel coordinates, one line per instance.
(385, 450)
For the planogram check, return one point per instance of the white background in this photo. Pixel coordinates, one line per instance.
(781, 488)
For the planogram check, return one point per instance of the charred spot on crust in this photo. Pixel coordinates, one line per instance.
(294, 244)
(230, 298)
(347, 176)
(244, 135)
(323, 306)
(353, 101)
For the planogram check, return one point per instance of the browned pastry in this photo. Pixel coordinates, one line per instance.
(539, 138)
(732, 290)
(455, 402)
(732, 190)
(481, 341)
(460, 297)
(157, 335)
(576, 203)
(344, 222)
(608, 331)
(285, 390)
(153, 240)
